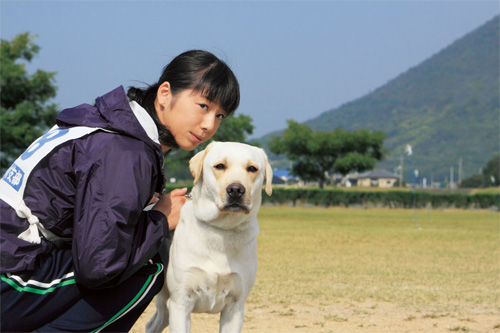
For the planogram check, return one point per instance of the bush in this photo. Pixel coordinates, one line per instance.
(474, 181)
(389, 198)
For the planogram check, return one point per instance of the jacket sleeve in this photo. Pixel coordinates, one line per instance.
(113, 237)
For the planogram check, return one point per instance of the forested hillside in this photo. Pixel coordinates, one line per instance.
(447, 108)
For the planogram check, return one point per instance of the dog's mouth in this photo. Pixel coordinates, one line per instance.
(235, 207)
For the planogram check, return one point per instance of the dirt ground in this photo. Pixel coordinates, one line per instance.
(362, 271)
(355, 317)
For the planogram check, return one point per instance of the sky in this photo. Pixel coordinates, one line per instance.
(293, 59)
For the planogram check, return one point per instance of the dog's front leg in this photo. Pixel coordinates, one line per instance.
(232, 316)
(160, 319)
(180, 316)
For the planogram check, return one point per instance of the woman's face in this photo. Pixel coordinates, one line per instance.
(190, 117)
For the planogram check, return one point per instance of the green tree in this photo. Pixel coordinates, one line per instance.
(315, 153)
(491, 171)
(24, 113)
(233, 128)
(473, 181)
(489, 177)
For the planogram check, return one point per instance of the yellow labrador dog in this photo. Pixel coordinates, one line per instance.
(213, 257)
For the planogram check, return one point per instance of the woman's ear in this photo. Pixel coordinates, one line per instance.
(163, 96)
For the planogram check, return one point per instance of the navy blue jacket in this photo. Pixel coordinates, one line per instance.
(93, 190)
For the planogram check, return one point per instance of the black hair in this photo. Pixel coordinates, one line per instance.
(197, 70)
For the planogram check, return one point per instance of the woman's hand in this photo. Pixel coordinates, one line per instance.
(170, 204)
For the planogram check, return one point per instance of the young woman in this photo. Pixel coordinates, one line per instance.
(78, 253)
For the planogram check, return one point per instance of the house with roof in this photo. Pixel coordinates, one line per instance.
(283, 176)
(376, 178)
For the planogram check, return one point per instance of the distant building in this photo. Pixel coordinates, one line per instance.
(377, 178)
(282, 176)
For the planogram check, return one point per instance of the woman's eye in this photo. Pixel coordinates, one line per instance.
(220, 166)
(204, 106)
(221, 116)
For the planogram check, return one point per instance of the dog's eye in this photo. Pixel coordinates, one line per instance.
(252, 169)
(220, 166)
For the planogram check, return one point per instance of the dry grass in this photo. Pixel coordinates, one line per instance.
(337, 269)
(311, 254)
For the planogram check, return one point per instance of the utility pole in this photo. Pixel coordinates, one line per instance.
(401, 171)
(451, 178)
(460, 170)
(409, 151)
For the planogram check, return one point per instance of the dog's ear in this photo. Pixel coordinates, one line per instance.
(269, 175)
(196, 163)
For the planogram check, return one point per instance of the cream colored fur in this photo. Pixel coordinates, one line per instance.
(213, 257)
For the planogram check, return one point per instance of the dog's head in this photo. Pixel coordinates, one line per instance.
(230, 176)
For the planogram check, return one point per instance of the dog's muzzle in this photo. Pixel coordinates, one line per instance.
(235, 195)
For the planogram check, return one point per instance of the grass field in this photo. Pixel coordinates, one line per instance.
(346, 270)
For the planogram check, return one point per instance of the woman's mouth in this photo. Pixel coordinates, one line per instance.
(196, 138)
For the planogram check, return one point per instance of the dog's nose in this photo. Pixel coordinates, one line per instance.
(235, 190)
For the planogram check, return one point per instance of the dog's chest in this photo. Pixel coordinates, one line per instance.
(211, 292)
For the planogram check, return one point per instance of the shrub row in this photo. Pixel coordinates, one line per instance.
(392, 199)
(389, 198)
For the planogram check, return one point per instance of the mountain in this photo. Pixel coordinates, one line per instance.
(446, 108)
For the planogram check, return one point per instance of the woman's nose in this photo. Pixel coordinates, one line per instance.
(208, 122)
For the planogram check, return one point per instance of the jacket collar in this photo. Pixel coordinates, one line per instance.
(146, 121)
